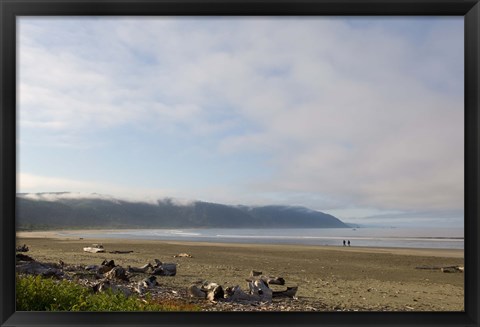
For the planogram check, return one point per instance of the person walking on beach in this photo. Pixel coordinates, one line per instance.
(348, 242)
(343, 242)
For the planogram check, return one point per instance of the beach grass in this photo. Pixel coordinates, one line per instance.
(37, 293)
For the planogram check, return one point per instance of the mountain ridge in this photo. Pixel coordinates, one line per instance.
(44, 211)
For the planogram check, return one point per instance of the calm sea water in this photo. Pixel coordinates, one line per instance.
(446, 238)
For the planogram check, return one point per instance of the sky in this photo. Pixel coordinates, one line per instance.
(359, 117)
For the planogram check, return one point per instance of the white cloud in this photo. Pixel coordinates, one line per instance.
(342, 114)
(71, 188)
(51, 197)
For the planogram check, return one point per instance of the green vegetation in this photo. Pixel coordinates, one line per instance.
(35, 293)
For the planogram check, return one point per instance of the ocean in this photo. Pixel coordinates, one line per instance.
(440, 238)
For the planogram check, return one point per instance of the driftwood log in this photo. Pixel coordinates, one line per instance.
(214, 291)
(109, 263)
(23, 257)
(150, 281)
(167, 269)
(43, 269)
(211, 291)
(258, 290)
(267, 280)
(261, 290)
(23, 248)
(146, 284)
(274, 280)
(289, 292)
(120, 252)
(142, 269)
(254, 275)
(95, 248)
(452, 269)
(164, 269)
(104, 285)
(104, 267)
(195, 291)
(238, 295)
(117, 273)
(446, 269)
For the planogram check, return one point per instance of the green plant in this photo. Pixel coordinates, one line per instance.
(35, 293)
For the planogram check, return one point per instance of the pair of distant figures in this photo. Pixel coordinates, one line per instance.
(345, 243)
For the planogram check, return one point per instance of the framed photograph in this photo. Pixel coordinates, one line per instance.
(239, 162)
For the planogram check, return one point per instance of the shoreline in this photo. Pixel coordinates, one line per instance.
(91, 236)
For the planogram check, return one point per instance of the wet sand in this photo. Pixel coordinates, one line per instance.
(339, 278)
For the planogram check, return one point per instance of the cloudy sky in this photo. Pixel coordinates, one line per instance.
(358, 117)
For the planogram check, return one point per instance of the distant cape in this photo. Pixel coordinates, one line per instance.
(66, 210)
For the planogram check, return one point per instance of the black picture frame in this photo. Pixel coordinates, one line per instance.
(10, 9)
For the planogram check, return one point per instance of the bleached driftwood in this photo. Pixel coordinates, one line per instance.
(210, 291)
(104, 285)
(150, 281)
(258, 292)
(142, 269)
(255, 282)
(146, 284)
(260, 288)
(95, 248)
(214, 291)
(117, 273)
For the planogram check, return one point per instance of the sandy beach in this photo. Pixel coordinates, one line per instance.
(328, 278)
